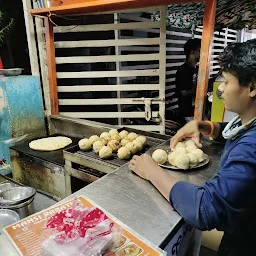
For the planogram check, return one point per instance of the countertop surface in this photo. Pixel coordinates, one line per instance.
(137, 204)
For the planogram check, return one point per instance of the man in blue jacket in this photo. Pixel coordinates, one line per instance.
(228, 201)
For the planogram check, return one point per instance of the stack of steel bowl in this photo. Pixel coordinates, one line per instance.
(18, 199)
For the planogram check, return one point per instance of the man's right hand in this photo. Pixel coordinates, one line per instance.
(190, 130)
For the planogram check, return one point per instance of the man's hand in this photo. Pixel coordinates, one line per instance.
(144, 166)
(190, 130)
(148, 169)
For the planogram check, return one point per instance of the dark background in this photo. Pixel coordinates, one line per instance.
(14, 52)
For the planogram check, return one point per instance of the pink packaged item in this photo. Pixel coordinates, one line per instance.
(79, 231)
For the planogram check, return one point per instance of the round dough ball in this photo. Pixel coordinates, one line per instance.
(97, 145)
(104, 141)
(171, 158)
(94, 138)
(138, 144)
(189, 143)
(106, 136)
(181, 150)
(191, 148)
(105, 152)
(114, 145)
(116, 137)
(182, 161)
(123, 153)
(113, 132)
(132, 136)
(179, 145)
(160, 156)
(200, 154)
(124, 141)
(132, 147)
(123, 134)
(142, 139)
(193, 158)
(85, 144)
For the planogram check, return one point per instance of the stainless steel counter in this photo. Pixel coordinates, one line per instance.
(136, 203)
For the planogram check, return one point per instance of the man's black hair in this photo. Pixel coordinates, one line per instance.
(239, 59)
(192, 45)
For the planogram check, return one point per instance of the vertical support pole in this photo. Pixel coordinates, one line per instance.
(206, 46)
(117, 52)
(31, 38)
(162, 67)
(39, 22)
(51, 67)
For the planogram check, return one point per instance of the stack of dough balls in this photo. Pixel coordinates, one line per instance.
(185, 155)
(125, 144)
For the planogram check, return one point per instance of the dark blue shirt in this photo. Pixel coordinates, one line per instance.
(228, 201)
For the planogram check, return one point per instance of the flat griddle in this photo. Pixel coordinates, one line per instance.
(55, 157)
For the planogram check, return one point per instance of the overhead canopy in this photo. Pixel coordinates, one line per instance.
(235, 14)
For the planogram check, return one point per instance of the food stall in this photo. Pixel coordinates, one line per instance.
(110, 185)
(134, 202)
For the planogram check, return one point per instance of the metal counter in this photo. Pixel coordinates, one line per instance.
(136, 203)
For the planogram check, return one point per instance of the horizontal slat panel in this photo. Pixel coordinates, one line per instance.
(169, 94)
(172, 107)
(176, 64)
(217, 39)
(173, 100)
(138, 49)
(107, 58)
(168, 80)
(217, 50)
(168, 41)
(153, 128)
(173, 57)
(108, 88)
(215, 67)
(174, 49)
(107, 43)
(172, 72)
(174, 33)
(139, 67)
(107, 114)
(170, 87)
(123, 101)
(218, 33)
(95, 74)
(107, 27)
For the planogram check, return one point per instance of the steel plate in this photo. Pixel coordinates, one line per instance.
(169, 166)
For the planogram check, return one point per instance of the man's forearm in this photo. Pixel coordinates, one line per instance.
(163, 182)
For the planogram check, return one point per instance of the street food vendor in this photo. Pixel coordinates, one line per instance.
(228, 201)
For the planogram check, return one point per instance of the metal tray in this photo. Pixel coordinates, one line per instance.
(168, 150)
(93, 161)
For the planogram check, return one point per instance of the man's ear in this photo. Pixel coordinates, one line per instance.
(252, 89)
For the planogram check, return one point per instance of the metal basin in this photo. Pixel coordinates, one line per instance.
(11, 71)
(16, 195)
(5, 186)
(8, 217)
(24, 209)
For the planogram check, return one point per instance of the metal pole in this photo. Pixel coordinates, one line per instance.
(206, 47)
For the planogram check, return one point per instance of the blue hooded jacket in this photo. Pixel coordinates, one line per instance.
(228, 201)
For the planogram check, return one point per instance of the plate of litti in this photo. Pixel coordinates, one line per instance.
(181, 158)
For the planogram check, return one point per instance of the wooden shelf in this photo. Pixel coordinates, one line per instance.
(101, 6)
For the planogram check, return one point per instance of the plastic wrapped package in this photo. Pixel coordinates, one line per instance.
(79, 231)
